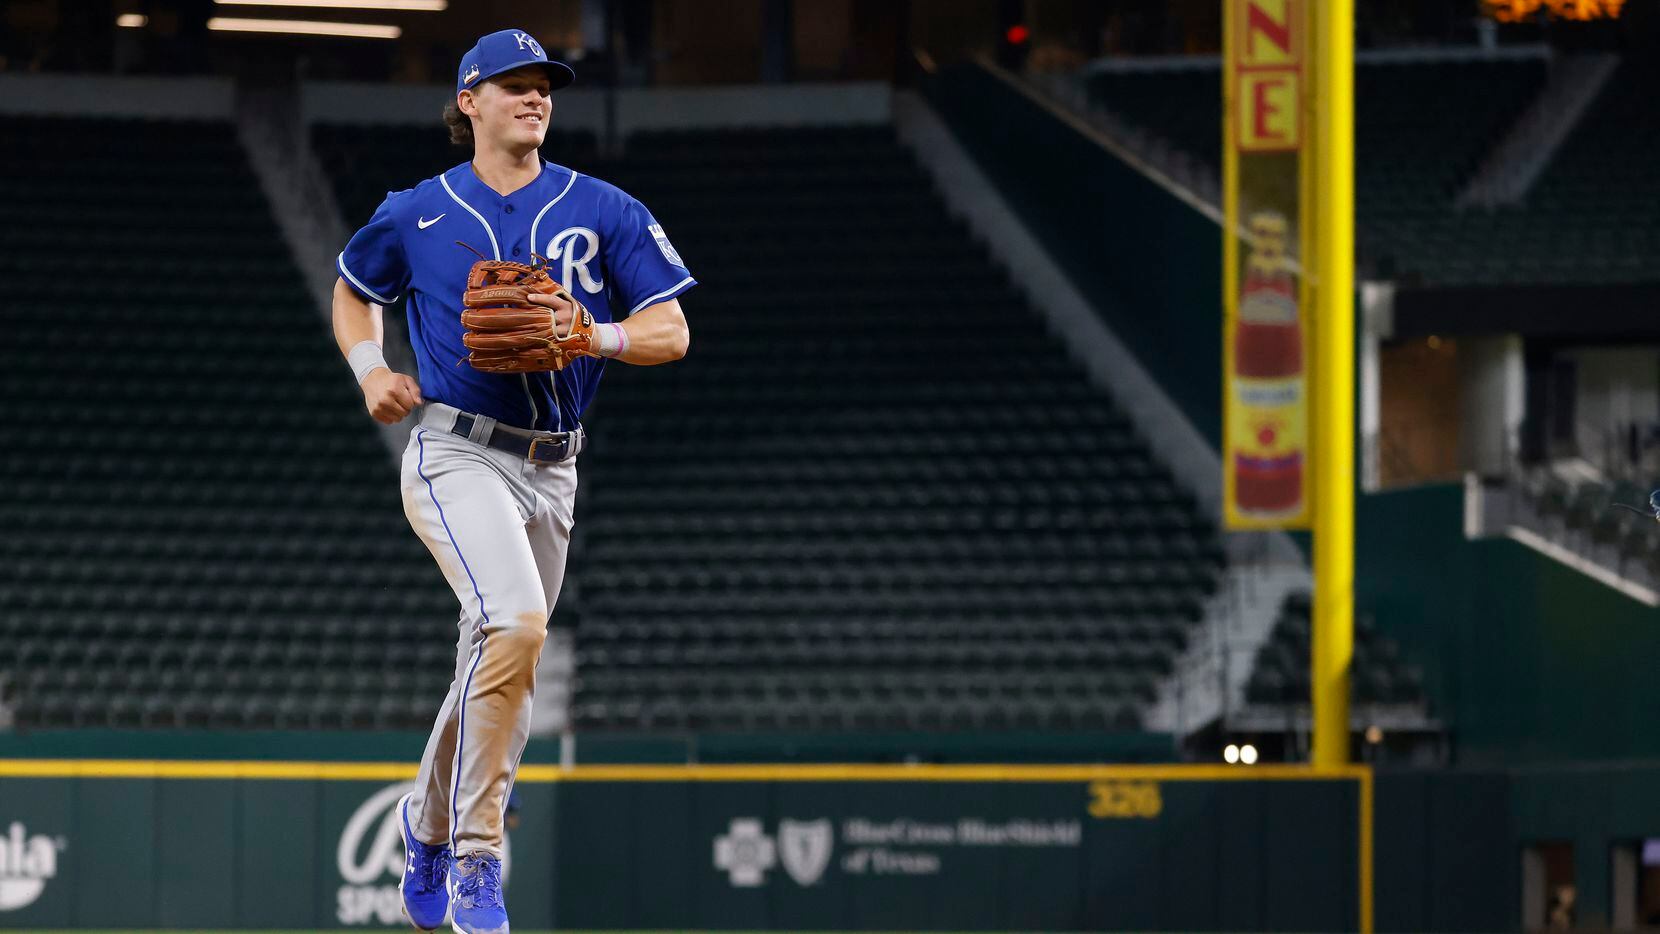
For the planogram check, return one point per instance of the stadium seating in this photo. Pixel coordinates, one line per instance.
(1380, 675)
(876, 495)
(1421, 130)
(1183, 106)
(1583, 516)
(1594, 215)
(202, 529)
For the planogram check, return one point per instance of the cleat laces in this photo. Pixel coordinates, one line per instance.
(481, 888)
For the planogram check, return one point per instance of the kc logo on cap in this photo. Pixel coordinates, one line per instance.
(526, 41)
(506, 50)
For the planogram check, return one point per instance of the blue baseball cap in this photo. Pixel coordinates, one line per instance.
(505, 51)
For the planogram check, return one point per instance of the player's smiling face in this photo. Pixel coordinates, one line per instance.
(512, 108)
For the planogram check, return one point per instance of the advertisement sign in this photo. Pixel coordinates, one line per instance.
(1117, 854)
(1156, 849)
(1265, 332)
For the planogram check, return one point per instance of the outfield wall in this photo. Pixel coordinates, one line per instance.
(130, 844)
(275, 844)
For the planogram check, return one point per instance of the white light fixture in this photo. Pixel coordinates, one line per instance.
(1248, 754)
(1231, 754)
(301, 27)
(132, 21)
(406, 6)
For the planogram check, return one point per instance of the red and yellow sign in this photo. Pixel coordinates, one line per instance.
(1265, 60)
(1269, 101)
(1265, 382)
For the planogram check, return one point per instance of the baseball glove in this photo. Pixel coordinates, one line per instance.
(508, 333)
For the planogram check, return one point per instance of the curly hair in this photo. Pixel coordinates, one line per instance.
(460, 125)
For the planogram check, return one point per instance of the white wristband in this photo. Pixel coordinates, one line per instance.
(610, 339)
(365, 358)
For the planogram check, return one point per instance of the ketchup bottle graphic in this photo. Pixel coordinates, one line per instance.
(1268, 414)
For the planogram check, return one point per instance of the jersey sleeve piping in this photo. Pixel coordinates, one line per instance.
(666, 294)
(362, 289)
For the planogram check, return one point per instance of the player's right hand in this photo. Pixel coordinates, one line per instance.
(390, 396)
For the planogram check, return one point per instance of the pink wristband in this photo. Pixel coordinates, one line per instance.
(611, 339)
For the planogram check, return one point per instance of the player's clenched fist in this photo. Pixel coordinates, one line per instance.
(390, 396)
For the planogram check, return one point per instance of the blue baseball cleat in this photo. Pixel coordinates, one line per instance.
(426, 899)
(475, 887)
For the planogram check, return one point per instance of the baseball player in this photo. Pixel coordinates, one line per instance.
(489, 475)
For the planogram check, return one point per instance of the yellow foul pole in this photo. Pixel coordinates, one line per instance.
(1333, 451)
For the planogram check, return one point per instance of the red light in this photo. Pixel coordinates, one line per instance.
(1018, 34)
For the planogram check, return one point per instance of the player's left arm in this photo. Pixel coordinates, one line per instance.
(656, 334)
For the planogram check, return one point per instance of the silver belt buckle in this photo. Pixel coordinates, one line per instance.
(562, 445)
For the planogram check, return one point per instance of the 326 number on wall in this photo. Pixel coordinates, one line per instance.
(1119, 800)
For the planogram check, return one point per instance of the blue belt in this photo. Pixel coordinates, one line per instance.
(542, 448)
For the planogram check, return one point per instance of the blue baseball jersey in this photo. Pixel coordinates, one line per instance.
(599, 241)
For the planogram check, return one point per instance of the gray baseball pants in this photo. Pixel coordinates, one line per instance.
(500, 528)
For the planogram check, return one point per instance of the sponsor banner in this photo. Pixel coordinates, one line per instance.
(884, 856)
(28, 863)
(39, 848)
(1265, 433)
(222, 854)
(899, 846)
(676, 854)
(369, 858)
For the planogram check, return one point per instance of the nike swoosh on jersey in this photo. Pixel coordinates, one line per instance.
(423, 223)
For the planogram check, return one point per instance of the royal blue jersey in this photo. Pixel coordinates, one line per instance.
(599, 242)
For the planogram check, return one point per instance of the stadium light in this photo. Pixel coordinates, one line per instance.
(1248, 754)
(1231, 754)
(132, 21)
(300, 27)
(406, 6)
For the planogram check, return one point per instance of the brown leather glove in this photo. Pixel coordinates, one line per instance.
(507, 332)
